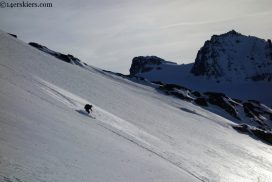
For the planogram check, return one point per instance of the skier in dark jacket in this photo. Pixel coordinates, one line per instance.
(88, 107)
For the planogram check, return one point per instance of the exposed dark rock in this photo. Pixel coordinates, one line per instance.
(143, 64)
(215, 94)
(254, 110)
(269, 51)
(175, 90)
(201, 101)
(219, 57)
(171, 87)
(196, 93)
(138, 78)
(250, 110)
(157, 82)
(243, 128)
(237, 100)
(13, 35)
(206, 62)
(232, 32)
(66, 58)
(222, 101)
(38, 46)
(265, 136)
(269, 43)
(233, 103)
(181, 96)
(114, 73)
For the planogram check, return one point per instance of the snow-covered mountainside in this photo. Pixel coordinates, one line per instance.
(237, 65)
(251, 115)
(229, 57)
(232, 72)
(138, 134)
(254, 118)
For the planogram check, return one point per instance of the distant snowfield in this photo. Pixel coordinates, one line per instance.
(138, 134)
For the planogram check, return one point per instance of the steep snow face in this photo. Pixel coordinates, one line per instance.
(234, 57)
(138, 134)
(46, 136)
(253, 113)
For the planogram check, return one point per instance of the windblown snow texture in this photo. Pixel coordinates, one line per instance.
(139, 134)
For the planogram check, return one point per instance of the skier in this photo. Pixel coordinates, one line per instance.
(88, 107)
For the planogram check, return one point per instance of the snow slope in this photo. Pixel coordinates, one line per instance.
(138, 134)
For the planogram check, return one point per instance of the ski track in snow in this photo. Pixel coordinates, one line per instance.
(114, 124)
(108, 121)
(193, 143)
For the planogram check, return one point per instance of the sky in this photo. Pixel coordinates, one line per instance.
(109, 33)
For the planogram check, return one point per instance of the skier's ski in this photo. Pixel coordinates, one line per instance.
(86, 114)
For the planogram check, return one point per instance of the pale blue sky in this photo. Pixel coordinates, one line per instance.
(109, 33)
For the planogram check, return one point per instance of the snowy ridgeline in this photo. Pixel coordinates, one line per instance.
(230, 57)
(139, 134)
(232, 49)
(239, 66)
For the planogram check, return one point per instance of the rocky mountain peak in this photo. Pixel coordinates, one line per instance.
(233, 56)
(143, 64)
